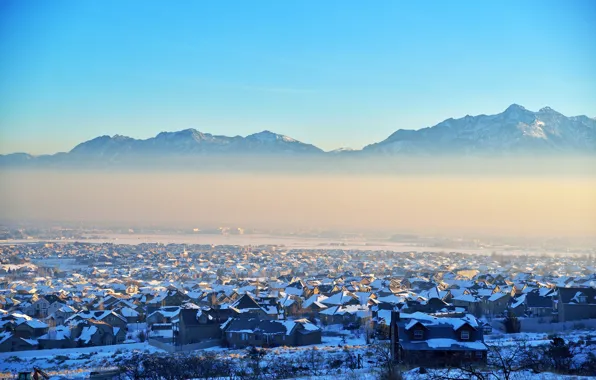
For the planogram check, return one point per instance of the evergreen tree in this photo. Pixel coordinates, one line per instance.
(512, 323)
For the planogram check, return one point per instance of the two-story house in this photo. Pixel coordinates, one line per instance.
(253, 331)
(576, 303)
(421, 338)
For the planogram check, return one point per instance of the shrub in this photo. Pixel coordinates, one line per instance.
(142, 336)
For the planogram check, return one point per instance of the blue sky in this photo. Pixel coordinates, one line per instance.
(329, 73)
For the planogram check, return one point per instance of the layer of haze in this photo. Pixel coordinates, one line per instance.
(447, 204)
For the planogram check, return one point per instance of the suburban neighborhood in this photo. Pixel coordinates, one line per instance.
(434, 309)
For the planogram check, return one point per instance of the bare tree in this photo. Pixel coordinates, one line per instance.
(255, 356)
(389, 369)
(132, 368)
(503, 361)
(313, 362)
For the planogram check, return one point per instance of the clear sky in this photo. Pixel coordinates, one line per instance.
(334, 74)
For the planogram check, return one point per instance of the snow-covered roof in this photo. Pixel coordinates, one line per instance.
(87, 333)
(428, 320)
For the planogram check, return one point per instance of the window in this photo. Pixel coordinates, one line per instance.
(418, 334)
(468, 354)
(479, 355)
(244, 336)
(465, 335)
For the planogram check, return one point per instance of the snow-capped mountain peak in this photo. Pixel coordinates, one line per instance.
(268, 136)
(515, 130)
(192, 141)
(341, 150)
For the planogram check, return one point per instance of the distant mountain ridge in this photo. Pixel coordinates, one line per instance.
(514, 131)
(191, 141)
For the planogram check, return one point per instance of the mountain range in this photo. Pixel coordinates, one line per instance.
(514, 131)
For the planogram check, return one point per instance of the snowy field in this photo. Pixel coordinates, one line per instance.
(292, 242)
(536, 339)
(258, 239)
(71, 363)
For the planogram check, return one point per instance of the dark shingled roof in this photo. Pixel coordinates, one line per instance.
(567, 294)
(256, 325)
(533, 299)
(246, 302)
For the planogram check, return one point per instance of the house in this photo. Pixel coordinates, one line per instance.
(538, 305)
(38, 308)
(381, 319)
(107, 316)
(576, 303)
(341, 298)
(290, 304)
(496, 304)
(42, 306)
(60, 315)
(96, 333)
(313, 305)
(271, 306)
(31, 329)
(131, 315)
(58, 337)
(246, 304)
(517, 306)
(55, 302)
(420, 338)
(22, 326)
(351, 315)
(197, 325)
(487, 328)
(298, 288)
(432, 305)
(470, 302)
(5, 341)
(24, 344)
(170, 297)
(253, 331)
(163, 315)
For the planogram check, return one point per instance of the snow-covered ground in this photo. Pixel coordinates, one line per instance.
(367, 374)
(76, 363)
(69, 362)
(266, 239)
(524, 375)
(536, 339)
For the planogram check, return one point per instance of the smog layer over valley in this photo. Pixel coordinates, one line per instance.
(553, 197)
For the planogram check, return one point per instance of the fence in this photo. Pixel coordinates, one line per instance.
(169, 347)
